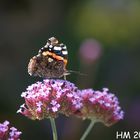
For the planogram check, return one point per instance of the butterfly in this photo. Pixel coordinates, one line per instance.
(51, 60)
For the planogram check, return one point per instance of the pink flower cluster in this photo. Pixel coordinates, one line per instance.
(51, 97)
(8, 133)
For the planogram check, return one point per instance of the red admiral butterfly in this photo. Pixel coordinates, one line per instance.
(51, 60)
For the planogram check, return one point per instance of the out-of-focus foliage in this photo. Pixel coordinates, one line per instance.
(112, 22)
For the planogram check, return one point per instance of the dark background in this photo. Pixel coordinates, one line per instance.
(111, 29)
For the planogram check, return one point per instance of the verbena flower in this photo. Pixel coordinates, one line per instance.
(47, 99)
(100, 106)
(8, 133)
(51, 97)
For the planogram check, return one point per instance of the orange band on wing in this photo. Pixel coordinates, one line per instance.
(55, 56)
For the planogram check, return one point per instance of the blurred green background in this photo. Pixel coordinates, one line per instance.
(112, 27)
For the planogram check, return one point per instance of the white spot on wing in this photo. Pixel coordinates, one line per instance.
(64, 52)
(39, 51)
(47, 43)
(64, 47)
(50, 46)
(38, 55)
(57, 48)
(46, 46)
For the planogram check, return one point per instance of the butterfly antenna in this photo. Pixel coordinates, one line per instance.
(76, 72)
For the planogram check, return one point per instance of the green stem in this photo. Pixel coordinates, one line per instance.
(88, 130)
(53, 128)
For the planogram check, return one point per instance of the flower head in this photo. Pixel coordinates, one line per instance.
(8, 133)
(47, 99)
(51, 97)
(90, 51)
(102, 106)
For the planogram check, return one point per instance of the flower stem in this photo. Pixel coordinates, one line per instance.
(53, 128)
(88, 130)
